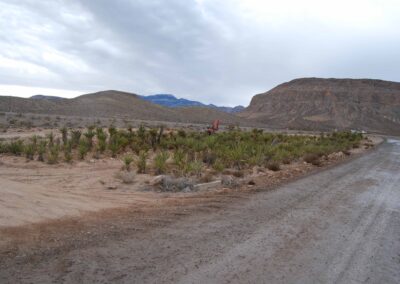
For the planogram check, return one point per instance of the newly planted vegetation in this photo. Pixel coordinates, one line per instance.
(181, 153)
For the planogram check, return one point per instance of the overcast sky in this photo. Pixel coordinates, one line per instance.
(215, 51)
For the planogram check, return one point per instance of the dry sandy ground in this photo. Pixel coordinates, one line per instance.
(135, 236)
(34, 191)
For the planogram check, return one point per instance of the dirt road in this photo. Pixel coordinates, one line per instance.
(338, 226)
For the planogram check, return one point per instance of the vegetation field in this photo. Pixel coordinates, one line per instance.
(181, 153)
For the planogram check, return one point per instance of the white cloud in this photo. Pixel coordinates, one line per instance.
(216, 51)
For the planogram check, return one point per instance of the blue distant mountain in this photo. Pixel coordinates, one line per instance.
(168, 100)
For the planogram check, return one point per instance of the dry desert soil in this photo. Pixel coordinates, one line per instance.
(303, 224)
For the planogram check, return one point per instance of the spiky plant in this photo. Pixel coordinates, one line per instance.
(142, 162)
(128, 159)
(160, 162)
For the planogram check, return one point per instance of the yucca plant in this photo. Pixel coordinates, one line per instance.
(83, 149)
(89, 136)
(50, 137)
(75, 138)
(64, 134)
(41, 150)
(142, 162)
(29, 151)
(128, 159)
(67, 152)
(160, 162)
(53, 155)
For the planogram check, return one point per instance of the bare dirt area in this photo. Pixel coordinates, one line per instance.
(76, 223)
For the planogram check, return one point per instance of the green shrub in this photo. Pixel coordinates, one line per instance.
(53, 155)
(29, 151)
(160, 162)
(128, 159)
(41, 150)
(218, 166)
(16, 147)
(67, 152)
(75, 138)
(89, 137)
(64, 134)
(83, 149)
(142, 162)
(50, 137)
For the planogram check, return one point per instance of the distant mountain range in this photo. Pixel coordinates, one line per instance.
(113, 103)
(173, 102)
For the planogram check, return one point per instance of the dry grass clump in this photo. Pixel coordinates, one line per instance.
(273, 166)
(126, 177)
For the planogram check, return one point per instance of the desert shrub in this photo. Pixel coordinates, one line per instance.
(64, 134)
(311, 158)
(83, 149)
(53, 155)
(141, 162)
(29, 151)
(15, 147)
(34, 140)
(181, 133)
(273, 166)
(50, 137)
(194, 168)
(128, 159)
(176, 184)
(179, 158)
(127, 177)
(209, 157)
(89, 137)
(116, 144)
(160, 162)
(67, 149)
(41, 150)
(101, 139)
(218, 166)
(75, 138)
(112, 130)
(141, 132)
(153, 137)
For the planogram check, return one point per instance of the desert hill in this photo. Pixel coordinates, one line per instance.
(326, 104)
(115, 104)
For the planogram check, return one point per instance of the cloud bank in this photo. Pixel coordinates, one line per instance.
(215, 51)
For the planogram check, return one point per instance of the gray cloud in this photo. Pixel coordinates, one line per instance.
(211, 50)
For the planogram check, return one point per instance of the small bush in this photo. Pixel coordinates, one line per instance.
(68, 152)
(83, 149)
(218, 166)
(75, 138)
(53, 155)
(16, 147)
(128, 159)
(126, 177)
(64, 134)
(160, 162)
(311, 158)
(273, 166)
(30, 150)
(142, 162)
(41, 150)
